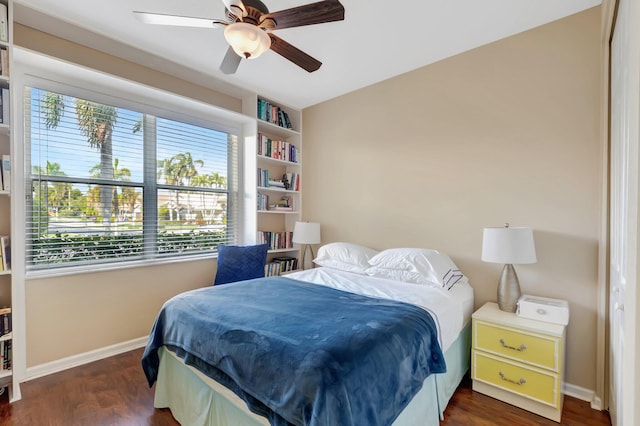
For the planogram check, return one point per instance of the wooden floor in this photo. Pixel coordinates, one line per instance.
(114, 392)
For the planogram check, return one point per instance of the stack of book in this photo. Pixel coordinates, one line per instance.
(273, 114)
(5, 253)
(265, 180)
(5, 321)
(5, 355)
(285, 204)
(263, 202)
(280, 150)
(280, 265)
(4, 106)
(4, 62)
(292, 181)
(276, 240)
(5, 172)
(5, 343)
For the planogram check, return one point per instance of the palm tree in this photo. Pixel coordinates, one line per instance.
(212, 180)
(96, 122)
(129, 198)
(178, 170)
(52, 169)
(168, 169)
(41, 200)
(123, 174)
(218, 180)
(187, 167)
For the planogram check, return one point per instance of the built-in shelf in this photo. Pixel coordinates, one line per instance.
(274, 140)
(277, 212)
(276, 189)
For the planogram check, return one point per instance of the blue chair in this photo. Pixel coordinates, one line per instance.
(240, 263)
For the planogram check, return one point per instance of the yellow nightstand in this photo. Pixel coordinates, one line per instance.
(518, 360)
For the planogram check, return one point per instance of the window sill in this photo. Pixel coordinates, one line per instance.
(106, 267)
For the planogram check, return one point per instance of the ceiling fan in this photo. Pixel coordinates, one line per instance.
(249, 25)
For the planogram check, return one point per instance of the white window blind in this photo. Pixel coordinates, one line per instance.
(111, 184)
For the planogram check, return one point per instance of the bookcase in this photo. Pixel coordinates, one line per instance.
(279, 179)
(6, 277)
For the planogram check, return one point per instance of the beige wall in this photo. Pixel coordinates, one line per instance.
(508, 132)
(74, 314)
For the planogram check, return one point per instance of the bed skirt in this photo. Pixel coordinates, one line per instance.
(195, 399)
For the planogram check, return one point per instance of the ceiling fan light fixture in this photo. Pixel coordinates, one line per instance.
(247, 40)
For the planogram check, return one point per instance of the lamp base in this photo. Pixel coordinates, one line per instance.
(304, 255)
(508, 289)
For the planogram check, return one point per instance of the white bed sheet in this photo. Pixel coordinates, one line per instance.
(451, 309)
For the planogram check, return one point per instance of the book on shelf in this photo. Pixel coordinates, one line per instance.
(5, 250)
(5, 345)
(285, 203)
(279, 265)
(271, 269)
(263, 201)
(4, 23)
(6, 172)
(5, 321)
(5, 106)
(288, 181)
(279, 150)
(273, 114)
(292, 181)
(287, 264)
(277, 183)
(5, 355)
(276, 240)
(4, 62)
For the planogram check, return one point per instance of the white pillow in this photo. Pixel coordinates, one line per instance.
(417, 265)
(400, 275)
(345, 257)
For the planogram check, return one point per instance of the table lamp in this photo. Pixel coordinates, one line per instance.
(306, 233)
(508, 245)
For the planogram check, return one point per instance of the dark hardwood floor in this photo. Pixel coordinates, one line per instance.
(114, 391)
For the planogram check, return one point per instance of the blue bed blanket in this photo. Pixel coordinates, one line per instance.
(301, 353)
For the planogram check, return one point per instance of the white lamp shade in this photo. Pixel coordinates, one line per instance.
(508, 245)
(247, 40)
(306, 233)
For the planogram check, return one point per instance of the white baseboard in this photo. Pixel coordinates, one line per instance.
(84, 358)
(583, 394)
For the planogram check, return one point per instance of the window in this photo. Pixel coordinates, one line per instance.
(110, 183)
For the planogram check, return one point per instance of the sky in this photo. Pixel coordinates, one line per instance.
(66, 145)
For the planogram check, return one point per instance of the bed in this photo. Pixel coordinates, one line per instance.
(198, 397)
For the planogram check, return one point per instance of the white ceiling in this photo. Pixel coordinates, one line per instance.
(377, 40)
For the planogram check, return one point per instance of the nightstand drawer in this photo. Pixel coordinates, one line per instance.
(536, 384)
(535, 349)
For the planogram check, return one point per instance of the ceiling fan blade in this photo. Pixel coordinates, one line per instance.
(236, 7)
(230, 62)
(293, 54)
(181, 21)
(314, 13)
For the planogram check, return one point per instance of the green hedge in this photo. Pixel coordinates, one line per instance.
(63, 248)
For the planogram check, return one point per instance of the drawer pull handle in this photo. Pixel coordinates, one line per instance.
(506, 379)
(520, 349)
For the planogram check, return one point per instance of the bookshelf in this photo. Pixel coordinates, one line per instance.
(8, 287)
(278, 154)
